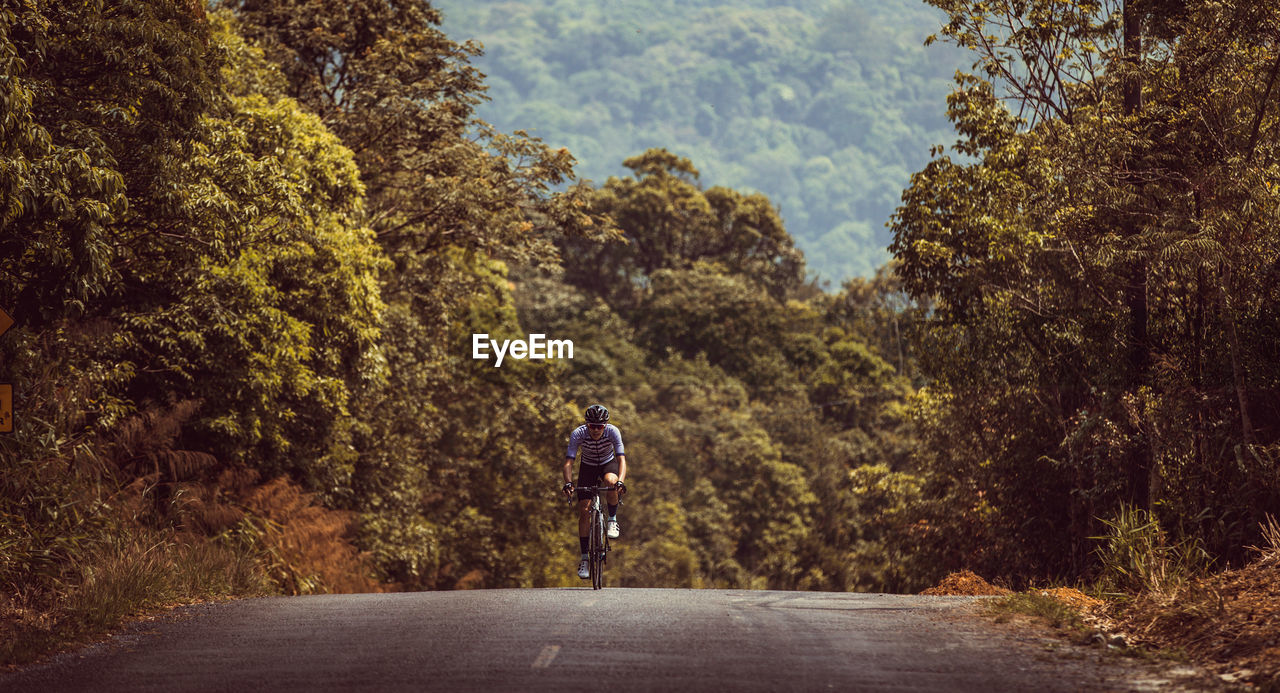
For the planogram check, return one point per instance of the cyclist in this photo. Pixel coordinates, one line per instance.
(602, 460)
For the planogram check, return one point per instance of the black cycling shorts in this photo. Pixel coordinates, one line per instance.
(593, 475)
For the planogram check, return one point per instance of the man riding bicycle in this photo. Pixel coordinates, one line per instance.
(602, 461)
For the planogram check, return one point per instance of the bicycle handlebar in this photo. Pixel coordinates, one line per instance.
(593, 489)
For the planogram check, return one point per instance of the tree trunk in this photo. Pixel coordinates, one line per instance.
(1237, 371)
(1140, 459)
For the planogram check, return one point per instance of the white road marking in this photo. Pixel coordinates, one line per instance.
(546, 656)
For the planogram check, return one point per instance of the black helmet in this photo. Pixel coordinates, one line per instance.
(597, 414)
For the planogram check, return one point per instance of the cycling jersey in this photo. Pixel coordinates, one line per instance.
(595, 452)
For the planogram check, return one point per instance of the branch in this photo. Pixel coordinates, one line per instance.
(1262, 109)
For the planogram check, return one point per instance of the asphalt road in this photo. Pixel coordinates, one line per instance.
(611, 641)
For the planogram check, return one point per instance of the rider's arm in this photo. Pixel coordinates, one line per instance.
(615, 437)
(575, 440)
(619, 451)
(571, 454)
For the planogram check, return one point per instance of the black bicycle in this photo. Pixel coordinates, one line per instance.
(597, 539)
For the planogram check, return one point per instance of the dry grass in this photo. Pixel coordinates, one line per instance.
(1041, 606)
(1229, 621)
(1060, 607)
(229, 537)
(135, 575)
(97, 529)
(120, 578)
(1138, 556)
(309, 547)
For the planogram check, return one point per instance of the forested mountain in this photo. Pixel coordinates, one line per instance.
(825, 106)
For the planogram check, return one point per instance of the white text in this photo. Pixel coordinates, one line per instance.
(536, 347)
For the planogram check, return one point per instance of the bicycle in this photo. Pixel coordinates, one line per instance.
(597, 540)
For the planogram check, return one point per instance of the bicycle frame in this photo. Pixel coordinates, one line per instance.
(597, 540)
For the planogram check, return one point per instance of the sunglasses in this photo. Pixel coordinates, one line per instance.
(596, 427)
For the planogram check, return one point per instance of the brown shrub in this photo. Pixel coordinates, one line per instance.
(309, 546)
(1230, 620)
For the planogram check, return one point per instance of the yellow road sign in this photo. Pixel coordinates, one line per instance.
(6, 408)
(5, 321)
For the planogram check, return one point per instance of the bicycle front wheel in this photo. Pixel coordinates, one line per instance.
(596, 561)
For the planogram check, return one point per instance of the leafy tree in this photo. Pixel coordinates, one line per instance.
(55, 196)
(425, 177)
(447, 197)
(669, 222)
(752, 394)
(1076, 254)
(268, 313)
(880, 310)
(194, 290)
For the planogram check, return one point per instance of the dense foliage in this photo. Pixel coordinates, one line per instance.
(247, 248)
(234, 281)
(1104, 270)
(766, 440)
(825, 106)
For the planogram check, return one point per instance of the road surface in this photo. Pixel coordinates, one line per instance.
(610, 641)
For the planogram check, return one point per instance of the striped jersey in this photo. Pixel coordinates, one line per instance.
(595, 452)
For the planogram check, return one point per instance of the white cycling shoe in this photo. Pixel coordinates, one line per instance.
(612, 529)
(583, 571)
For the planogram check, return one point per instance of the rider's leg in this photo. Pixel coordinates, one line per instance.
(584, 518)
(611, 496)
(584, 524)
(585, 478)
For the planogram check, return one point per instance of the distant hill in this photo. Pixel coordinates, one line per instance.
(826, 106)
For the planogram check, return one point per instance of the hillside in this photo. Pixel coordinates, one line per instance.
(826, 106)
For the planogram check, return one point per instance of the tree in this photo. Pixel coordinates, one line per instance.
(757, 406)
(1074, 255)
(56, 197)
(669, 222)
(448, 199)
(194, 289)
(425, 175)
